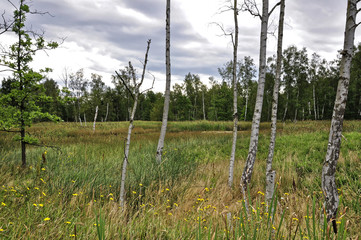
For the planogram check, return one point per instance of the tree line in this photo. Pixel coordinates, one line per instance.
(308, 90)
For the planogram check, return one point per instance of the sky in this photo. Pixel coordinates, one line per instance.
(101, 36)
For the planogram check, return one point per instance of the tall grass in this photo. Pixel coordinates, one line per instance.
(75, 193)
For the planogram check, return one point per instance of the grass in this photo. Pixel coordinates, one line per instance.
(74, 194)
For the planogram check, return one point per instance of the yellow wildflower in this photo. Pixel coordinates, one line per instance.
(46, 219)
(3, 204)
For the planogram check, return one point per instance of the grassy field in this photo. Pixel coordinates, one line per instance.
(74, 193)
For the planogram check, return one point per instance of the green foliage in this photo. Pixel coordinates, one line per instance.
(20, 102)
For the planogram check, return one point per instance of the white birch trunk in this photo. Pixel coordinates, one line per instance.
(271, 174)
(204, 109)
(95, 118)
(127, 143)
(106, 115)
(333, 148)
(84, 120)
(163, 129)
(314, 100)
(245, 112)
(248, 169)
(235, 95)
(81, 124)
(286, 108)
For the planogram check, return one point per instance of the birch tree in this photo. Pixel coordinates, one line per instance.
(167, 87)
(271, 174)
(251, 7)
(135, 95)
(235, 94)
(334, 142)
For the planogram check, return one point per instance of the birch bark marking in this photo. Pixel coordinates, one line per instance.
(235, 95)
(247, 172)
(334, 142)
(163, 129)
(131, 120)
(95, 118)
(271, 174)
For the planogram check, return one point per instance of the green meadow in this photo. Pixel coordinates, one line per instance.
(70, 188)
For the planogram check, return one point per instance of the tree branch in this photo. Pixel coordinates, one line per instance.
(146, 90)
(274, 7)
(125, 84)
(251, 7)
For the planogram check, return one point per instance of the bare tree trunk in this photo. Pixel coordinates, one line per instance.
(333, 148)
(163, 129)
(95, 118)
(204, 109)
(285, 113)
(245, 112)
(235, 95)
(314, 100)
(84, 120)
(81, 124)
(251, 158)
(309, 109)
(271, 174)
(297, 98)
(130, 128)
(106, 115)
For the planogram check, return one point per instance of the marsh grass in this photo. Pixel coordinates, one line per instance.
(75, 193)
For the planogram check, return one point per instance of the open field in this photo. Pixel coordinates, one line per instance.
(74, 193)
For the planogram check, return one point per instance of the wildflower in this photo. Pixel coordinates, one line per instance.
(167, 189)
(41, 205)
(110, 194)
(35, 205)
(294, 219)
(42, 169)
(111, 199)
(1, 230)
(338, 222)
(263, 203)
(274, 228)
(134, 192)
(140, 184)
(205, 228)
(68, 222)
(95, 224)
(36, 188)
(259, 192)
(72, 235)
(3, 204)
(72, 181)
(101, 196)
(43, 193)
(185, 219)
(75, 194)
(170, 214)
(287, 194)
(175, 204)
(46, 219)
(110, 186)
(207, 189)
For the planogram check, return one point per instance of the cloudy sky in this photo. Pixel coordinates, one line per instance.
(101, 36)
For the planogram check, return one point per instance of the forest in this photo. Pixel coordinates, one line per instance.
(308, 91)
(256, 155)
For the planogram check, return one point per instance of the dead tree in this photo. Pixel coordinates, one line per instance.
(235, 94)
(334, 142)
(163, 129)
(271, 174)
(135, 95)
(251, 7)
